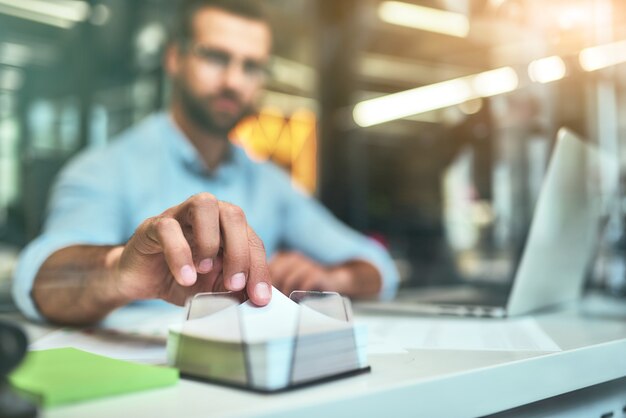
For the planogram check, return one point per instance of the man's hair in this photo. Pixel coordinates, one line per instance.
(182, 28)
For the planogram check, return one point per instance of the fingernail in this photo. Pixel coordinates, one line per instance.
(262, 291)
(188, 274)
(238, 281)
(206, 265)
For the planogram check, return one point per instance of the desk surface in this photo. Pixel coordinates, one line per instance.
(432, 383)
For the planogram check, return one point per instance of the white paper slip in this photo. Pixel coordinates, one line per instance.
(460, 334)
(148, 319)
(114, 346)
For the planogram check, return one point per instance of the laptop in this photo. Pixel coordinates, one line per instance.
(560, 245)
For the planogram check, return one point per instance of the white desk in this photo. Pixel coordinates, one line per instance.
(424, 383)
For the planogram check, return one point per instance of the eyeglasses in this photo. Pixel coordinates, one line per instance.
(219, 60)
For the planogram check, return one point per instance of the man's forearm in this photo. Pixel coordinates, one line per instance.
(76, 285)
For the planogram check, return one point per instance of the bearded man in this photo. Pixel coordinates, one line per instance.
(171, 208)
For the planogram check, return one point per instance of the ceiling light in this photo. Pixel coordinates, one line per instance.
(434, 96)
(424, 18)
(494, 82)
(598, 57)
(60, 13)
(548, 69)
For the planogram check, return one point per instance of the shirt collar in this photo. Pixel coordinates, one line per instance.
(188, 155)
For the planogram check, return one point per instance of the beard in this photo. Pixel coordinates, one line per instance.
(202, 111)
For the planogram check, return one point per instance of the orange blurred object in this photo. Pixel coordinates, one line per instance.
(289, 141)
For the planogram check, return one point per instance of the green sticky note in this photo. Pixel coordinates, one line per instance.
(66, 375)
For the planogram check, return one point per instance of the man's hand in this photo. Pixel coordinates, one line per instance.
(201, 245)
(294, 271)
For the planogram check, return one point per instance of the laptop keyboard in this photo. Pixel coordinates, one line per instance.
(456, 295)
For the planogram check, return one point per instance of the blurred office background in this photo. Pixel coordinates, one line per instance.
(444, 174)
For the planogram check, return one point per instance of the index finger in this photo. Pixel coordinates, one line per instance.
(259, 286)
(234, 229)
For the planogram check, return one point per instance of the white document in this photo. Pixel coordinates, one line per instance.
(109, 345)
(147, 319)
(459, 334)
(137, 332)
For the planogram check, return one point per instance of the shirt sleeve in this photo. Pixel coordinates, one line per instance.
(83, 209)
(313, 230)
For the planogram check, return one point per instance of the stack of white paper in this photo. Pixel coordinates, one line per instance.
(267, 348)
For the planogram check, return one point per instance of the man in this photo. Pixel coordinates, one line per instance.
(218, 239)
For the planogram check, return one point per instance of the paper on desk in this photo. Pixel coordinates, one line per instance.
(460, 334)
(109, 345)
(150, 319)
(137, 332)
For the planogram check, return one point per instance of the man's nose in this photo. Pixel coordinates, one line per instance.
(234, 76)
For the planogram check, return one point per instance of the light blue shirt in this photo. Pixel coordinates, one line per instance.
(104, 194)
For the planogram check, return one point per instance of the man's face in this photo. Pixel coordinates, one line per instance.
(219, 74)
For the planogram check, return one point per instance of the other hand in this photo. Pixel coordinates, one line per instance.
(294, 271)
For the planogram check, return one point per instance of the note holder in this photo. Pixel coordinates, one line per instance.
(293, 342)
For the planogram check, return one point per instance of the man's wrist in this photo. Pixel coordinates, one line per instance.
(115, 294)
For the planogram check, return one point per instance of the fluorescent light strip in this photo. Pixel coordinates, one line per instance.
(74, 10)
(59, 13)
(46, 20)
(435, 96)
(603, 56)
(424, 18)
(493, 82)
(546, 70)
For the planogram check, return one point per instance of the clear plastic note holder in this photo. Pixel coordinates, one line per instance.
(217, 343)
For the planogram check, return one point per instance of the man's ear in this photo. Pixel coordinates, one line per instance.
(172, 59)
